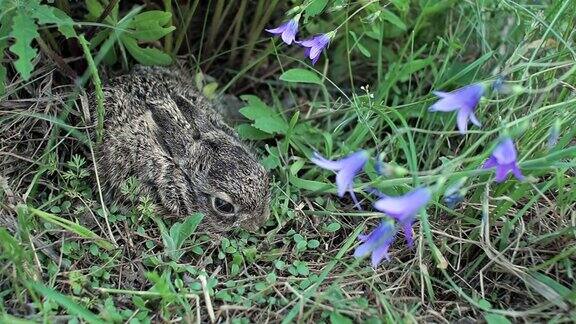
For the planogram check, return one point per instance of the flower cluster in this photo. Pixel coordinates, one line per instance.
(313, 46)
(404, 209)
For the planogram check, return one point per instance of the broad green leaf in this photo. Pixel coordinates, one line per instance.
(146, 56)
(315, 7)
(248, 132)
(271, 124)
(151, 25)
(496, 319)
(65, 302)
(265, 119)
(95, 9)
(24, 30)
(52, 15)
(390, 17)
(180, 232)
(300, 76)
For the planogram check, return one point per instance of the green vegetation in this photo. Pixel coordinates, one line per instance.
(483, 251)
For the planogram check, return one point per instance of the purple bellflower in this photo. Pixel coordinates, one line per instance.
(465, 100)
(404, 208)
(287, 30)
(378, 242)
(504, 159)
(315, 45)
(346, 169)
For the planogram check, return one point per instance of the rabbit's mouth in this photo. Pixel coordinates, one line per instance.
(254, 222)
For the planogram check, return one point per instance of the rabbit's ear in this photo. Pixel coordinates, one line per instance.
(199, 111)
(174, 132)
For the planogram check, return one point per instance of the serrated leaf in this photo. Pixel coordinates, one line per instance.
(145, 56)
(271, 124)
(248, 132)
(315, 7)
(390, 17)
(300, 76)
(24, 30)
(151, 25)
(265, 119)
(52, 15)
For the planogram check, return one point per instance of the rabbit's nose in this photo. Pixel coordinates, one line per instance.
(252, 224)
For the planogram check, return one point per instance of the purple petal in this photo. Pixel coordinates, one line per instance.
(278, 30)
(344, 180)
(517, 173)
(307, 42)
(502, 172)
(445, 104)
(407, 228)
(290, 32)
(378, 241)
(380, 253)
(404, 207)
(363, 249)
(462, 120)
(469, 95)
(350, 166)
(325, 163)
(490, 163)
(441, 94)
(475, 120)
(505, 152)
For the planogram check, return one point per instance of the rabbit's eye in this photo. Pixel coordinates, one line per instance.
(223, 207)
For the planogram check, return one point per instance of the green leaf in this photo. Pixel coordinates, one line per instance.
(265, 119)
(271, 124)
(332, 227)
(249, 132)
(151, 25)
(95, 9)
(315, 7)
(2, 80)
(70, 226)
(496, 319)
(65, 302)
(413, 67)
(300, 76)
(145, 56)
(24, 30)
(308, 184)
(180, 232)
(52, 15)
(336, 318)
(390, 17)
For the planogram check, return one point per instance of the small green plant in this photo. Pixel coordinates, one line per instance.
(20, 21)
(129, 32)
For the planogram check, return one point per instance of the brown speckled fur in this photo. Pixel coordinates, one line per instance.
(159, 129)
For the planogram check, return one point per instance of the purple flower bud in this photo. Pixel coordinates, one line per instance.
(315, 45)
(287, 30)
(404, 208)
(377, 242)
(465, 100)
(346, 169)
(504, 159)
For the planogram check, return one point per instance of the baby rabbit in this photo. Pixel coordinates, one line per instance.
(161, 131)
